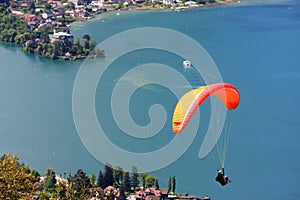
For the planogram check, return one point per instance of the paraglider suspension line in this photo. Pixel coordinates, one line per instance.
(222, 151)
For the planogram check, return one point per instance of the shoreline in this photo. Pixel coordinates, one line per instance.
(151, 8)
(112, 13)
(35, 46)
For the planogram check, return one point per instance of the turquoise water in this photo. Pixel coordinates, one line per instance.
(256, 48)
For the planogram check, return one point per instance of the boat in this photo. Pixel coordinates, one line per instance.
(186, 64)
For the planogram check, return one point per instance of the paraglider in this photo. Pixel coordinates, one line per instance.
(192, 100)
(222, 178)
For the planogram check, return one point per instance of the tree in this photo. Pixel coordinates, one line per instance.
(70, 192)
(118, 174)
(86, 37)
(70, 6)
(92, 44)
(147, 180)
(29, 46)
(173, 184)
(81, 184)
(15, 181)
(100, 180)
(108, 176)
(56, 50)
(2, 157)
(169, 184)
(122, 195)
(32, 8)
(39, 49)
(134, 177)
(61, 190)
(85, 44)
(50, 180)
(77, 42)
(35, 173)
(48, 6)
(156, 184)
(19, 39)
(126, 182)
(150, 181)
(143, 179)
(93, 179)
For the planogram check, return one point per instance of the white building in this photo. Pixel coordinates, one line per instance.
(57, 36)
(190, 3)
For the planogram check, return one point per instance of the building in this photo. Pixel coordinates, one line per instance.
(152, 194)
(59, 36)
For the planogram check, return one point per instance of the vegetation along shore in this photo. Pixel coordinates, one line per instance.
(18, 181)
(42, 26)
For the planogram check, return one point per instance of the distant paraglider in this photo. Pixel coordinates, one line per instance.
(192, 100)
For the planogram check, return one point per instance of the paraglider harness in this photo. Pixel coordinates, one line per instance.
(221, 178)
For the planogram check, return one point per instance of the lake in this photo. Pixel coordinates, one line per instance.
(255, 47)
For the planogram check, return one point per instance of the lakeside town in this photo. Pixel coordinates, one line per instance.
(18, 181)
(43, 26)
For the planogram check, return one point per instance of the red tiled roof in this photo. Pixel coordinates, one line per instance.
(31, 23)
(24, 5)
(17, 12)
(139, 194)
(150, 193)
(163, 190)
(56, 23)
(70, 12)
(152, 197)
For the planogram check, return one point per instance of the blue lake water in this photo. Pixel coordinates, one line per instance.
(254, 45)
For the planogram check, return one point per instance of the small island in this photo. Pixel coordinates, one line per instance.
(18, 181)
(43, 26)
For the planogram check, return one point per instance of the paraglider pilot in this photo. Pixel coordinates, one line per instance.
(221, 178)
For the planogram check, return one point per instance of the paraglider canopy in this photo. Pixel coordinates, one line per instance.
(189, 102)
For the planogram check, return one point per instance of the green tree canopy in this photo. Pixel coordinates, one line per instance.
(93, 179)
(108, 176)
(86, 37)
(35, 173)
(169, 184)
(156, 184)
(48, 6)
(143, 177)
(15, 181)
(173, 184)
(85, 44)
(100, 180)
(150, 181)
(134, 177)
(61, 190)
(50, 180)
(126, 182)
(81, 184)
(118, 174)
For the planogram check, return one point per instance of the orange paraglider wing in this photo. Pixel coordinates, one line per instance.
(189, 102)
